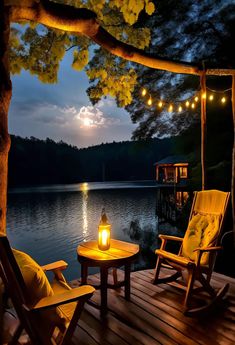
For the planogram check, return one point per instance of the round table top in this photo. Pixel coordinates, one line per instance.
(118, 250)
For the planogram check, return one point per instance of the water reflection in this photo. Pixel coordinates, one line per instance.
(84, 189)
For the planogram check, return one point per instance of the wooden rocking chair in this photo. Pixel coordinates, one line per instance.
(197, 254)
(48, 313)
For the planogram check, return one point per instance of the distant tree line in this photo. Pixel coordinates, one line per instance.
(33, 161)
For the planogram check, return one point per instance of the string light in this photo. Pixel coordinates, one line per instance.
(149, 101)
(144, 92)
(204, 95)
(223, 100)
(182, 105)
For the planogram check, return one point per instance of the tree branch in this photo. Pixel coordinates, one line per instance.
(82, 21)
(128, 52)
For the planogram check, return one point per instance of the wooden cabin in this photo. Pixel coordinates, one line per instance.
(172, 169)
(172, 193)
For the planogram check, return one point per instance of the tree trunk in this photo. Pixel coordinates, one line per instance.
(5, 97)
(233, 158)
(203, 129)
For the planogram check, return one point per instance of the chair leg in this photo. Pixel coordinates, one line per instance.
(207, 286)
(191, 278)
(157, 270)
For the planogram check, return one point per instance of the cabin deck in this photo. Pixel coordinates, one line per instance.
(154, 316)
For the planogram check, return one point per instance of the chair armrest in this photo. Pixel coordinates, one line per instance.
(207, 249)
(72, 295)
(172, 238)
(57, 265)
(165, 238)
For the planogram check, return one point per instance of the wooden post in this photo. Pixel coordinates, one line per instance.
(233, 157)
(5, 97)
(203, 128)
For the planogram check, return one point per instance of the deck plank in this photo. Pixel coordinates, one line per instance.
(154, 316)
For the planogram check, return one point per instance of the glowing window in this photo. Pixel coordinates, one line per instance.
(183, 171)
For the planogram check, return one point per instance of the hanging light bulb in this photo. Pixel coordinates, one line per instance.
(149, 101)
(223, 100)
(204, 95)
(144, 91)
(187, 104)
(160, 104)
(180, 109)
(211, 97)
(170, 109)
(192, 105)
(196, 99)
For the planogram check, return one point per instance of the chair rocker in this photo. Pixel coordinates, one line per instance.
(196, 257)
(48, 313)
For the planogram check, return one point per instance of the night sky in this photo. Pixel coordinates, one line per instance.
(63, 111)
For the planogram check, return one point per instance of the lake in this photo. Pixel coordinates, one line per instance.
(48, 222)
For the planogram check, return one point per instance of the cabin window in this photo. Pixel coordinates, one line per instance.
(183, 171)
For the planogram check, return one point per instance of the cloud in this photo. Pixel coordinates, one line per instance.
(106, 102)
(91, 116)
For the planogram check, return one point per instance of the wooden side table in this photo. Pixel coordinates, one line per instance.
(120, 254)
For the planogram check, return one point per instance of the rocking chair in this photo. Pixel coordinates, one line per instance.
(48, 313)
(196, 257)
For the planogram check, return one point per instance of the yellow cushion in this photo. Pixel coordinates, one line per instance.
(202, 231)
(38, 287)
(209, 235)
(35, 279)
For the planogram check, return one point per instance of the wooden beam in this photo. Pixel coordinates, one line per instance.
(203, 128)
(233, 157)
(221, 72)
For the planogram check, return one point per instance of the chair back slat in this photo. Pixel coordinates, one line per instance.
(211, 202)
(11, 269)
(12, 277)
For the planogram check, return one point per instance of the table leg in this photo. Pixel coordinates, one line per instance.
(115, 280)
(103, 290)
(127, 281)
(84, 272)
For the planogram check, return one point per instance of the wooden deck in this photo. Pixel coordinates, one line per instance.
(154, 316)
